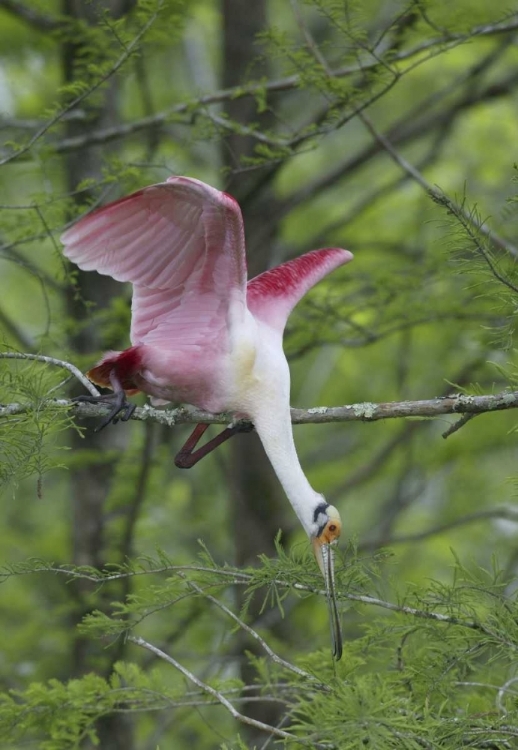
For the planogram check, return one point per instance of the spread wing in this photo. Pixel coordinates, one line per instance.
(181, 244)
(272, 295)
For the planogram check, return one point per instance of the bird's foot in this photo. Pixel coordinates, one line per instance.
(121, 410)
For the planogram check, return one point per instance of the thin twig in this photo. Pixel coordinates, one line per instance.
(312, 45)
(78, 99)
(12, 254)
(133, 507)
(284, 84)
(508, 513)
(16, 331)
(217, 695)
(49, 361)
(234, 577)
(453, 428)
(254, 634)
(239, 578)
(422, 614)
(31, 16)
(502, 691)
(438, 195)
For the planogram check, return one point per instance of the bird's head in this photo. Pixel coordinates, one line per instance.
(326, 530)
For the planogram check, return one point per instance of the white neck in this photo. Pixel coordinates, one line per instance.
(275, 432)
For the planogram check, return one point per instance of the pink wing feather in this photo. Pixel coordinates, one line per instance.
(181, 244)
(272, 295)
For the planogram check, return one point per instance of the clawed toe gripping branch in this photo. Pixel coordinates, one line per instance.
(456, 404)
(121, 409)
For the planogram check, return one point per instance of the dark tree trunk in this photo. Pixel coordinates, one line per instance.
(258, 502)
(90, 483)
(257, 496)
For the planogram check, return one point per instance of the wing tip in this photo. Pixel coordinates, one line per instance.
(272, 295)
(202, 188)
(345, 256)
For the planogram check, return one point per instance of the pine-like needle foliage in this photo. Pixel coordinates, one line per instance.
(425, 669)
(350, 124)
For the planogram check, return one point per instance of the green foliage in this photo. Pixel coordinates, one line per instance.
(29, 441)
(412, 676)
(389, 130)
(493, 277)
(63, 713)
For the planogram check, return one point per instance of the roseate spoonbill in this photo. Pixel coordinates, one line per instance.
(201, 334)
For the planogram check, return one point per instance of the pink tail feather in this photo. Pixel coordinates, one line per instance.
(126, 365)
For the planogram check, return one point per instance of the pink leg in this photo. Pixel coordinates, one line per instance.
(188, 457)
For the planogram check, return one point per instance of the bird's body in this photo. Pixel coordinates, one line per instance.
(200, 333)
(211, 379)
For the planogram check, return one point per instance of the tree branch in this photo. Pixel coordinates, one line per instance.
(134, 506)
(128, 51)
(438, 196)
(217, 695)
(409, 127)
(507, 513)
(254, 634)
(289, 83)
(16, 331)
(53, 361)
(236, 577)
(361, 412)
(33, 17)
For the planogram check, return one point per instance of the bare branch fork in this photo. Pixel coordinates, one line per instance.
(362, 412)
(220, 698)
(159, 119)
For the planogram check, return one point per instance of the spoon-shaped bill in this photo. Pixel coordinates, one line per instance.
(324, 554)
